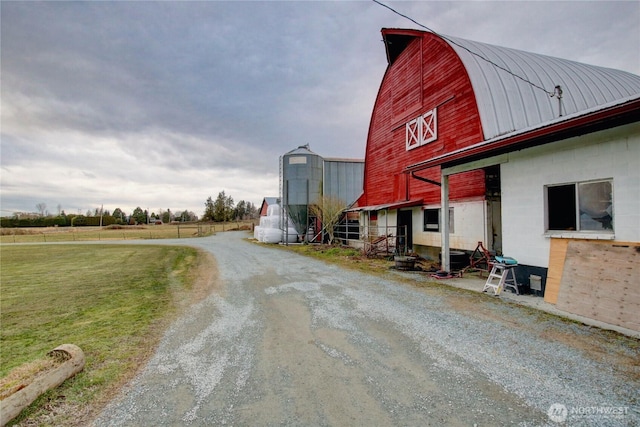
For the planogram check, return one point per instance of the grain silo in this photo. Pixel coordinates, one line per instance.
(301, 185)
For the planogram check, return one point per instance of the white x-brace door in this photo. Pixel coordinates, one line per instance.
(421, 130)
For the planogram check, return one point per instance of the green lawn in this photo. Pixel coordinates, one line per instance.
(113, 301)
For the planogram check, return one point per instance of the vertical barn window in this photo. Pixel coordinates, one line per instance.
(421, 130)
(429, 127)
(580, 206)
(432, 220)
(413, 134)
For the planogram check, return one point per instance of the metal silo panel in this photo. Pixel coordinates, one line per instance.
(343, 179)
(302, 184)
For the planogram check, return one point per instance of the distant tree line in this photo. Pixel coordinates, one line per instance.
(98, 217)
(221, 210)
(61, 220)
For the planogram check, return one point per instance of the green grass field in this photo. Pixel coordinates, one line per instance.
(113, 301)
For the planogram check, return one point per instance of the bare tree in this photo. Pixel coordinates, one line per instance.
(42, 208)
(328, 211)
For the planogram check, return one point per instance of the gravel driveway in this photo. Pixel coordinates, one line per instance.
(294, 341)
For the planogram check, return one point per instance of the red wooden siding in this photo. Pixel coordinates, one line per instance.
(263, 209)
(426, 75)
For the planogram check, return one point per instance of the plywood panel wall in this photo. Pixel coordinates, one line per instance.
(557, 255)
(601, 280)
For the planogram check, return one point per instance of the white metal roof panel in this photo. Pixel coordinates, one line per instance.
(508, 102)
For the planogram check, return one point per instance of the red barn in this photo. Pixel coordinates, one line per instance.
(425, 107)
(492, 136)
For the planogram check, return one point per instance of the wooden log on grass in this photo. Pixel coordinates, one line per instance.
(71, 359)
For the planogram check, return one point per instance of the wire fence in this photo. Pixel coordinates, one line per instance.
(374, 240)
(134, 232)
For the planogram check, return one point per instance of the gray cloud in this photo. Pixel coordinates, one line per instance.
(166, 103)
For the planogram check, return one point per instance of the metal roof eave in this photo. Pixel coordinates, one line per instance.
(394, 205)
(342, 160)
(616, 113)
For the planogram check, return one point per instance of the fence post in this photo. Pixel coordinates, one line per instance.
(178, 231)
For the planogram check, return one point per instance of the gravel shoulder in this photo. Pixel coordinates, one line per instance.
(288, 340)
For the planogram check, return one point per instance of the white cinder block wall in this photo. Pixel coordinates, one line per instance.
(602, 155)
(469, 226)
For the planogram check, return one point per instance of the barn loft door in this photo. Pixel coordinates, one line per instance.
(421, 130)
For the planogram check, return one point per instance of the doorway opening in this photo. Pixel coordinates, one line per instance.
(494, 208)
(405, 231)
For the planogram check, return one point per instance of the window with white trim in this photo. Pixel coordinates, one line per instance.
(580, 206)
(421, 130)
(432, 220)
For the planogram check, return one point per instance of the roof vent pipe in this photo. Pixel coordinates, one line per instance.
(558, 94)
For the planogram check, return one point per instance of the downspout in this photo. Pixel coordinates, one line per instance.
(420, 178)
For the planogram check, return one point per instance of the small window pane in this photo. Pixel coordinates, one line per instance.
(561, 201)
(432, 220)
(596, 206)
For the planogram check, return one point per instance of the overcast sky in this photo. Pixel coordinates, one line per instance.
(163, 104)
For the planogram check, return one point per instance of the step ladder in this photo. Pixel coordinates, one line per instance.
(505, 276)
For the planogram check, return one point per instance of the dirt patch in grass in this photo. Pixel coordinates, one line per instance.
(205, 278)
